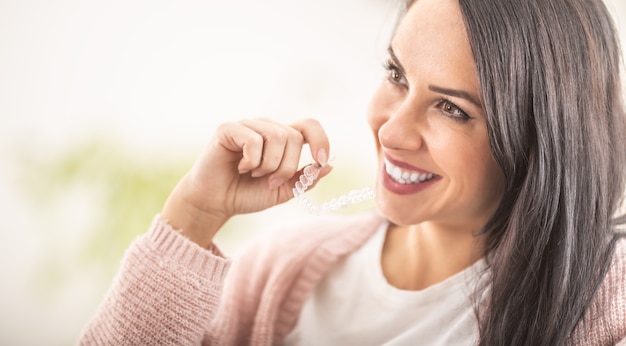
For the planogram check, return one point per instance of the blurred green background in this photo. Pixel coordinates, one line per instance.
(105, 104)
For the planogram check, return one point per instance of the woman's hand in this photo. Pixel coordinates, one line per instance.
(247, 166)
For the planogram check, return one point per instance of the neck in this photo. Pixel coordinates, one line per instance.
(418, 256)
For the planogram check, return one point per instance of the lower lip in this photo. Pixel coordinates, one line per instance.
(404, 189)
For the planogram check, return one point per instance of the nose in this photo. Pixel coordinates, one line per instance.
(401, 127)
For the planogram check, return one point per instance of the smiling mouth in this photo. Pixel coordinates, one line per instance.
(403, 176)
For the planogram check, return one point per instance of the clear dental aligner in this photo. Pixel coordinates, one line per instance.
(309, 175)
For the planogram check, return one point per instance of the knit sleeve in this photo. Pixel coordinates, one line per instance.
(604, 322)
(165, 293)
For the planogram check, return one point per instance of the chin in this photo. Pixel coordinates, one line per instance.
(398, 216)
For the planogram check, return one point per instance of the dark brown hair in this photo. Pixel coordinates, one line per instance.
(549, 72)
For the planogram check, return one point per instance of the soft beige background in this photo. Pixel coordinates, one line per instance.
(152, 79)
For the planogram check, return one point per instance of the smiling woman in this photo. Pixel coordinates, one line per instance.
(499, 134)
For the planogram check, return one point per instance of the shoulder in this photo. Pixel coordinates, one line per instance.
(271, 276)
(617, 271)
(605, 319)
(328, 233)
(311, 245)
(614, 285)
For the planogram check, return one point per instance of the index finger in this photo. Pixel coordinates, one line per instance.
(314, 134)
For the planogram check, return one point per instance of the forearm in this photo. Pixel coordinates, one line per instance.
(166, 292)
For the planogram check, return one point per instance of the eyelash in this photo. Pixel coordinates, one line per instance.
(392, 70)
(461, 116)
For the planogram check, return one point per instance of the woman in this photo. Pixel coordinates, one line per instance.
(500, 132)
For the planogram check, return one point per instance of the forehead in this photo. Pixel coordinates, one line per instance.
(432, 38)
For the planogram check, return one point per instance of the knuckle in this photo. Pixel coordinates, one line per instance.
(296, 137)
(312, 122)
(256, 141)
(225, 126)
(281, 135)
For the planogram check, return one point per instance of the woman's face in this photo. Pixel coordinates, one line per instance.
(430, 128)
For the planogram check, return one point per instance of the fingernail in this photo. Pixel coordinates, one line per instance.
(322, 157)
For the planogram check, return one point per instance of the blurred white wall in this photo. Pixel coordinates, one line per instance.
(159, 76)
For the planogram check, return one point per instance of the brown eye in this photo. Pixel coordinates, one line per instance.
(449, 107)
(453, 111)
(395, 75)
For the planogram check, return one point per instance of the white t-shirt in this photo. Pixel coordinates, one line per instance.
(355, 305)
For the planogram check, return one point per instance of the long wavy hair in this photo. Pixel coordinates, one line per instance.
(549, 72)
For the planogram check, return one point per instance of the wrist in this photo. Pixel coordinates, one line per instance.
(198, 225)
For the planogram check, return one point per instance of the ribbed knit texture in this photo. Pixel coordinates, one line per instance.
(273, 278)
(604, 322)
(169, 291)
(165, 293)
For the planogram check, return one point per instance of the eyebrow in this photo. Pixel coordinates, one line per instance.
(447, 91)
(395, 60)
(456, 93)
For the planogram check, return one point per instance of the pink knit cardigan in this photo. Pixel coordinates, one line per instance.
(169, 291)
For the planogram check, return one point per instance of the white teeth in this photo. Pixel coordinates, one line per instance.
(406, 177)
(396, 173)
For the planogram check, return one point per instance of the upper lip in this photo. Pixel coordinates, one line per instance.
(406, 165)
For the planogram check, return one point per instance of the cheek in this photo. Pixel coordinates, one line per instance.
(482, 177)
(491, 178)
(494, 186)
(468, 162)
